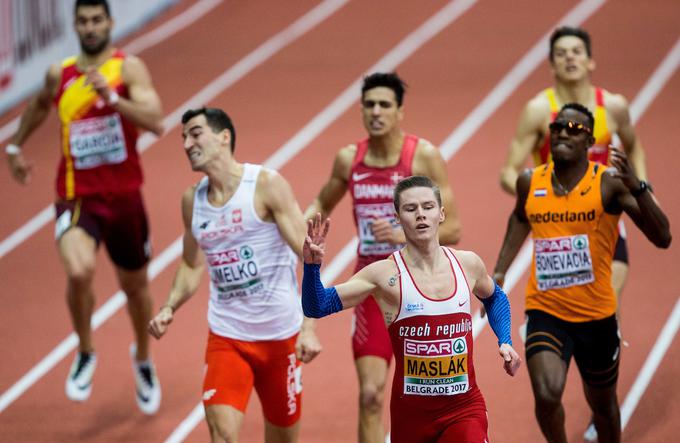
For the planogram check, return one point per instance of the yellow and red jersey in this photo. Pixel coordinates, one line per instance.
(99, 145)
(599, 152)
(574, 240)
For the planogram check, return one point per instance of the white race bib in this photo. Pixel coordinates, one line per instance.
(366, 214)
(234, 273)
(97, 141)
(562, 262)
(434, 368)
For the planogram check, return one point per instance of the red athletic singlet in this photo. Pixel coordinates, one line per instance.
(434, 385)
(99, 146)
(372, 190)
(599, 152)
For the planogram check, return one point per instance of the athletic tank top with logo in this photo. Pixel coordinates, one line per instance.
(432, 344)
(574, 240)
(372, 191)
(599, 152)
(253, 284)
(98, 145)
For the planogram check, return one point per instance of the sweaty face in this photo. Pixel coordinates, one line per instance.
(567, 141)
(420, 213)
(380, 111)
(93, 27)
(570, 60)
(201, 144)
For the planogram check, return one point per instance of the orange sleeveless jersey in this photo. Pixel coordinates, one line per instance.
(574, 241)
(599, 152)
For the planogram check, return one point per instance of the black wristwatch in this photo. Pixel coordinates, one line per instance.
(644, 186)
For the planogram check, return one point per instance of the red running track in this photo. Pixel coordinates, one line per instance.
(449, 75)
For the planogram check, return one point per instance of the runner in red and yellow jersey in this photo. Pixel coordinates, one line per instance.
(370, 169)
(572, 65)
(101, 96)
(571, 207)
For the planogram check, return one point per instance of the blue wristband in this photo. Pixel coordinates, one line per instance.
(317, 301)
(498, 311)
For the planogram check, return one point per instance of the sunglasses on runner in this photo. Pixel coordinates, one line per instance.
(572, 127)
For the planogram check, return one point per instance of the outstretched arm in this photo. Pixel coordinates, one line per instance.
(318, 301)
(188, 275)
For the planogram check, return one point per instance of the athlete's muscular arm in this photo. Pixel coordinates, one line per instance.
(37, 110)
(276, 194)
(527, 137)
(618, 108)
(429, 162)
(336, 186)
(517, 231)
(144, 106)
(280, 205)
(643, 209)
(188, 275)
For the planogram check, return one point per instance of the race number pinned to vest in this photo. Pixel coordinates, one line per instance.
(366, 214)
(438, 367)
(234, 273)
(562, 262)
(97, 141)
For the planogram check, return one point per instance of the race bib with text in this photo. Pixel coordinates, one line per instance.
(562, 262)
(366, 214)
(97, 141)
(438, 367)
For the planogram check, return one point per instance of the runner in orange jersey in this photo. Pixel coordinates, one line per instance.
(571, 206)
(102, 97)
(572, 65)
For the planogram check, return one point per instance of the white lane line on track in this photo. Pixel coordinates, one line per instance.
(450, 146)
(113, 304)
(244, 66)
(145, 41)
(653, 361)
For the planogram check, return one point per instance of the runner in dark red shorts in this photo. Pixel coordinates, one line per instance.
(102, 96)
(370, 169)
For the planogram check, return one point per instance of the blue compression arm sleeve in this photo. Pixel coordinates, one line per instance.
(498, 310)
(317, 301)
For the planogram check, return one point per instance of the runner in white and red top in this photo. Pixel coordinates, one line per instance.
(248, 226)
(423, 292)
(369, 170)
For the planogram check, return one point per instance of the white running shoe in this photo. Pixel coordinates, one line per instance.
(79, 380)
(147, 386)
(590, 435)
